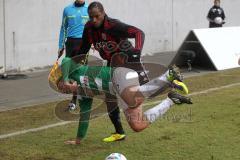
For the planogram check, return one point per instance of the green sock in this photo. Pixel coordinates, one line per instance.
(85, 110)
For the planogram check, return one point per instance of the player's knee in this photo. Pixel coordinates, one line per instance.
(132, 97)
(138, 127)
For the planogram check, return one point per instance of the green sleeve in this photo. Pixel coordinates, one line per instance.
(85, 110)
(68, 66)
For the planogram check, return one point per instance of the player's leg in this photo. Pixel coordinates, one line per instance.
(132, 96)
(159, 110)
(73, 102)
(170, 79)
(114, 115)
(85, 110)
(138, 120)
(126, 84)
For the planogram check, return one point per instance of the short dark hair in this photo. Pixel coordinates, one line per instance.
(96, 4)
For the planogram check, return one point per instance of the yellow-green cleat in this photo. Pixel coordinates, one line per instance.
(174, 74)
(180, 87)
(115, 137)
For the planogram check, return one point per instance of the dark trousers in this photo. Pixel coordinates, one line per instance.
(73, 45)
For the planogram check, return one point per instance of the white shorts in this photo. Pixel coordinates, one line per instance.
(123, 78)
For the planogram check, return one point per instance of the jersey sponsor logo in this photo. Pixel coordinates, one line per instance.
(111, 46)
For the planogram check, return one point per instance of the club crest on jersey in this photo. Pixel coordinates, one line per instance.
(84, 80)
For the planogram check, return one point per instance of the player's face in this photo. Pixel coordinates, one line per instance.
(80, 1)
(96, 17)
(217, 3)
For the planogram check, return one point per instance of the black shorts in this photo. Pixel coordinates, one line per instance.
(132, 63)
(73, 46)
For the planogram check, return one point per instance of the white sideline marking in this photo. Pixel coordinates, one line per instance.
(68, 122)
(34, 129)
(214, 89)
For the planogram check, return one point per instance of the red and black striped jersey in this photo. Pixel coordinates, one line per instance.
(112, 37)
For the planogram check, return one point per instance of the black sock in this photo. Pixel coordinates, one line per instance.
(74, 99)
(114, 115)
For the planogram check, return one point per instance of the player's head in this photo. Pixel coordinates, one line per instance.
(80, 1)
(55, 76)
(96, 13)
(217, 2)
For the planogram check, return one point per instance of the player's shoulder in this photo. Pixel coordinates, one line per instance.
(85, 6)
(111, 23)
(113, 20)
(70, 6)
(213, 7)
(221, 8)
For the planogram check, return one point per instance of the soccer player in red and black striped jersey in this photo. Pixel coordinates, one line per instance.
(110, 37)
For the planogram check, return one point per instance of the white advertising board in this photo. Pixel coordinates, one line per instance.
(219, 47)
(222, 45)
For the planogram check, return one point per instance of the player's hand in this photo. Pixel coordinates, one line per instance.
(77, 141)
(70, 87)
(62, 87)
(73, 87)
(67, 87)
(60, 52)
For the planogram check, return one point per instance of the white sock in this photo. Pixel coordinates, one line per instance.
(154, 85)
(154, 113)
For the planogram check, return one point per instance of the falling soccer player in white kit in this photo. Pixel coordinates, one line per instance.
(125, 85)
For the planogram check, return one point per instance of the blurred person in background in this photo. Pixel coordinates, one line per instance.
(216, 15)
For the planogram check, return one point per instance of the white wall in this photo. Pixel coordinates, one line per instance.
(152, 16)
(32, 27)
(1, 36)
